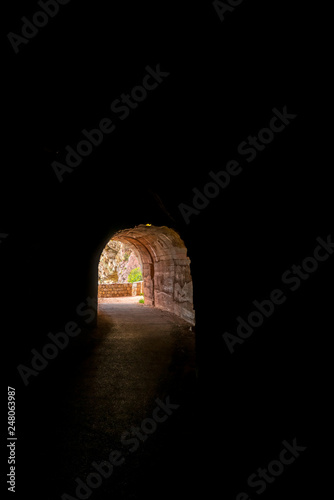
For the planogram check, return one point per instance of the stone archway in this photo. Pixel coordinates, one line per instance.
(165, 267)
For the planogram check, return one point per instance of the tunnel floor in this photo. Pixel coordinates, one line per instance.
(110, 382)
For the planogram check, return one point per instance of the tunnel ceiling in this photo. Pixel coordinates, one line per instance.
(156, 242)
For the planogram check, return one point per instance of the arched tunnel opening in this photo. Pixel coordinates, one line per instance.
(165, 268)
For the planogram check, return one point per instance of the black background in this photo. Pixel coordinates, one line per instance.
(225, 79)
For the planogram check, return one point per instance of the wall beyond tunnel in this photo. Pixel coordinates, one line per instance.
(165, 267)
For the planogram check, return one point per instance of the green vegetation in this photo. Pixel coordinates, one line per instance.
(141, 301)
(135, 275)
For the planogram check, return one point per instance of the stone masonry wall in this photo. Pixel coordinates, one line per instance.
(120, 290)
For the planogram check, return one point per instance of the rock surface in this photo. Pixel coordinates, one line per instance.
(116, 262)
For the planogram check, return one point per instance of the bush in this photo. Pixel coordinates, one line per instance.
(135, 275)
(141, 301)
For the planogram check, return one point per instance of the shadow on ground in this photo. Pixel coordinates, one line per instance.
(105, 384)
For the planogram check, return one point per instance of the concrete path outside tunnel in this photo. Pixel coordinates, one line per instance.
(135, 355)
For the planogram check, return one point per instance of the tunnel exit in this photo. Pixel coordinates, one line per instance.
(160, 270)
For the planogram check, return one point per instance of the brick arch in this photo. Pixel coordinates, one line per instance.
(166, 268)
